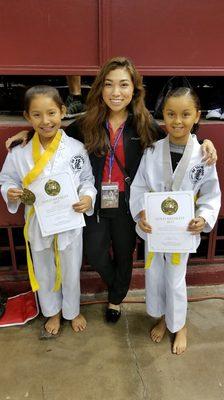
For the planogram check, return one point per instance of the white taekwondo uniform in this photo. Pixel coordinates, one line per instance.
(165, 282)
(70, 156)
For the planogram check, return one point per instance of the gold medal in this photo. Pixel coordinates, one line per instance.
(52, 188)
(169, 206)
(28, 197)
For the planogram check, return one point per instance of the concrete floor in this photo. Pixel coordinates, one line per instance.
(115, 362)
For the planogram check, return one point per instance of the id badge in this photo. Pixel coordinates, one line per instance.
(109, 195)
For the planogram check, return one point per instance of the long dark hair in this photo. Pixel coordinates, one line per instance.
(93, 123)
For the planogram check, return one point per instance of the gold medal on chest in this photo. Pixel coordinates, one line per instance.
(52, 188)
(28, 198)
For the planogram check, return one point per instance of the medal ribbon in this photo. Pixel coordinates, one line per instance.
(113, 148)
(173, 183)
(40, 162)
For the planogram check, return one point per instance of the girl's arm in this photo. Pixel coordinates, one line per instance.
(209, 201)
(14, 194)
(209, 152)
(11, 187)
(20, 138)
(87, 191)
(143, 224)
(138, 188)
(196, 225)
(84, 205)
(23, 137)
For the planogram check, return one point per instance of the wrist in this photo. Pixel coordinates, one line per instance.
(141, 214)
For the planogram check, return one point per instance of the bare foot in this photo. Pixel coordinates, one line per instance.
(158, 331)
(52, 325)
(180, 341)
(79, 323)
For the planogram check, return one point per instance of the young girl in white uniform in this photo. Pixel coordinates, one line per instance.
(166, 296)
(44, 110)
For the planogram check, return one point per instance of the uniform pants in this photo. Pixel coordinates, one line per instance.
(115, 269)
(67, 299)
(166, 292)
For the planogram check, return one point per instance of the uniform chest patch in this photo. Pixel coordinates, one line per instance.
(197, 173)
(76, 163)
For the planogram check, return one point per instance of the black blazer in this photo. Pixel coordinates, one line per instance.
(132, 152)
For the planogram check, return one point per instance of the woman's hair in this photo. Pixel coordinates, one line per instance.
(184, 91)
(45, 90)
(93, 124)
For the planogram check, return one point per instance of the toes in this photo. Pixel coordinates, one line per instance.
(83, 325)
(78, 328)
(52, 331)
(181, 350)
(180, 342)
(157, 333)
(154, 336)
(174, 349)
(79, 324)
(48, 328)
(178, 349)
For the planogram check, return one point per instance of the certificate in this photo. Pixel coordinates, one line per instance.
(55, 196)
(169, 214)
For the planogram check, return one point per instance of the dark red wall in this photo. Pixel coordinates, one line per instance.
(76, 36)
(173, 37)
(49, 36)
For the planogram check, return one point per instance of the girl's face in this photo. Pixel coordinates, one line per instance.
(45, 116)
(118, 90)
(180, 114)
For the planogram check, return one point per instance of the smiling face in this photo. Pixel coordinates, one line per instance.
(118, 90)
(45, 117)
(180, 114)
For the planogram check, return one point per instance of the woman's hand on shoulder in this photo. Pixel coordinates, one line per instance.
(143, 224)
(209, 152)
(19, 138)
(84, 205)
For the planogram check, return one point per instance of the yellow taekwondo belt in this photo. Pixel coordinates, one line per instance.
(40, 162)
(175, 257)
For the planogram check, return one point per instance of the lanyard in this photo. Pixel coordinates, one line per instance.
(113, 149)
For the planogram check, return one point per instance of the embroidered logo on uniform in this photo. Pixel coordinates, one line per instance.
(197, 173)
(76, 163)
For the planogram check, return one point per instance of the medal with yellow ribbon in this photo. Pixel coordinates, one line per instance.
(40, 162)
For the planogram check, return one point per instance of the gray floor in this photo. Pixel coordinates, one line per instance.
(115, 362)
